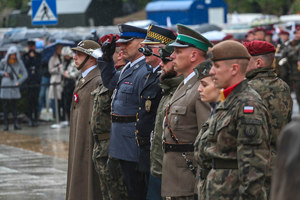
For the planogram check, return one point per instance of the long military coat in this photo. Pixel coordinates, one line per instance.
(186, 115)
(83, 181)
(128, 84)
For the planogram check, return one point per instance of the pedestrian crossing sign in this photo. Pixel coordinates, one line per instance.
(44, 12)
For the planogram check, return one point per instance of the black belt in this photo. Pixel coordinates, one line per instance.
(142, 141)
(178, 147)
(218, 163)
(123, 119)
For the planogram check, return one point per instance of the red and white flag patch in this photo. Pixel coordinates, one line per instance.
(248, 109)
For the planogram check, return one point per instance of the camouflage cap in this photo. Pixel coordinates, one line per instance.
(87, 46)
(189, 38)
(202, 70)
(228, 50)
(158, 35)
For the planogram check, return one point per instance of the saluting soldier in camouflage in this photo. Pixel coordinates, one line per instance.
(238, 138)
(112, 188)
(274, 92)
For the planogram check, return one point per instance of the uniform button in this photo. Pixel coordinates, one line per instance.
(141, 96)
(140, 108)
(135, 124)
(136, 131)
(137, 120)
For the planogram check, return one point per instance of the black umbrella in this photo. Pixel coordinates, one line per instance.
(50, 49)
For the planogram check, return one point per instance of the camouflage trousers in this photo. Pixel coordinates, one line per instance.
(111, 189)
(181, 198)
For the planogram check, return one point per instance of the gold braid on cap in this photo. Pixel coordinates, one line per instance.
(159, 37)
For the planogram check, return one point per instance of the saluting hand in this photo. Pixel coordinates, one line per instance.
(108, 49)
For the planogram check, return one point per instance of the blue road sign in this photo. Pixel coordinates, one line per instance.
(43, 12)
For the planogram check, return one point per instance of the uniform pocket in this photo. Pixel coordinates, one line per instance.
(126, 92)
(177, 114)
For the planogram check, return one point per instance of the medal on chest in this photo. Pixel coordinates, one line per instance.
(148, 105)
(76, 97)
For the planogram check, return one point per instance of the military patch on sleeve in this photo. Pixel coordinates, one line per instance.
(250, 131)
(248, 109)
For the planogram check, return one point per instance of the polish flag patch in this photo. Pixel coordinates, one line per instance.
(248, 109)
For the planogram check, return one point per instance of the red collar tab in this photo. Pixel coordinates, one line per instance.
(227, 91)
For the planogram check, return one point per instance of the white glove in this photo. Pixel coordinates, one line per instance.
(97, 53)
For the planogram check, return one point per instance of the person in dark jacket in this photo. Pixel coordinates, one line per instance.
(32, 62)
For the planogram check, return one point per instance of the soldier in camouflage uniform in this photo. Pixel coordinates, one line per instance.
(210, 94)
(112, 188)
(283, 68)
(274, 92)
(169, 80)
(291, 53)
(238, 140)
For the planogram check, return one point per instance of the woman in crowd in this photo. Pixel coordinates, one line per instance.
(13, 73)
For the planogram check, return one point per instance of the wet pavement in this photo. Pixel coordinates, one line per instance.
(33, 161)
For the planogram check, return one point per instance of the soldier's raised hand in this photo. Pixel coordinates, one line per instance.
(108, 49)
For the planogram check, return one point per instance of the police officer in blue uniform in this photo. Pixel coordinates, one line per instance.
(151, 94)
(128, 85)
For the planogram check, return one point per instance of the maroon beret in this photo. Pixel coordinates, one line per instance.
(282, 32)
(257, 47)
(228, 37)
(108, 38)
(259, 29)
(268, 32)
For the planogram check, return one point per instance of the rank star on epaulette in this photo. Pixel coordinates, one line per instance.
(248, 109)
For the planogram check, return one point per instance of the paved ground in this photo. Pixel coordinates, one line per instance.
(33, 162)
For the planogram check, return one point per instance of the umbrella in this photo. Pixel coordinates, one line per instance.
(5, 47)
(27, 34)
(50, 49)
(65, 35)
(214, 35)
(207, 27)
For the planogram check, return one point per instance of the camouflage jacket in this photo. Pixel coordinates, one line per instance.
(238, 133)
(100, 120)
(276, 96)
(156, 155)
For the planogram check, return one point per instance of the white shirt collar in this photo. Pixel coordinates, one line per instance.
(189, 77)
(85, 73)
(154, 69)
(136, 61)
